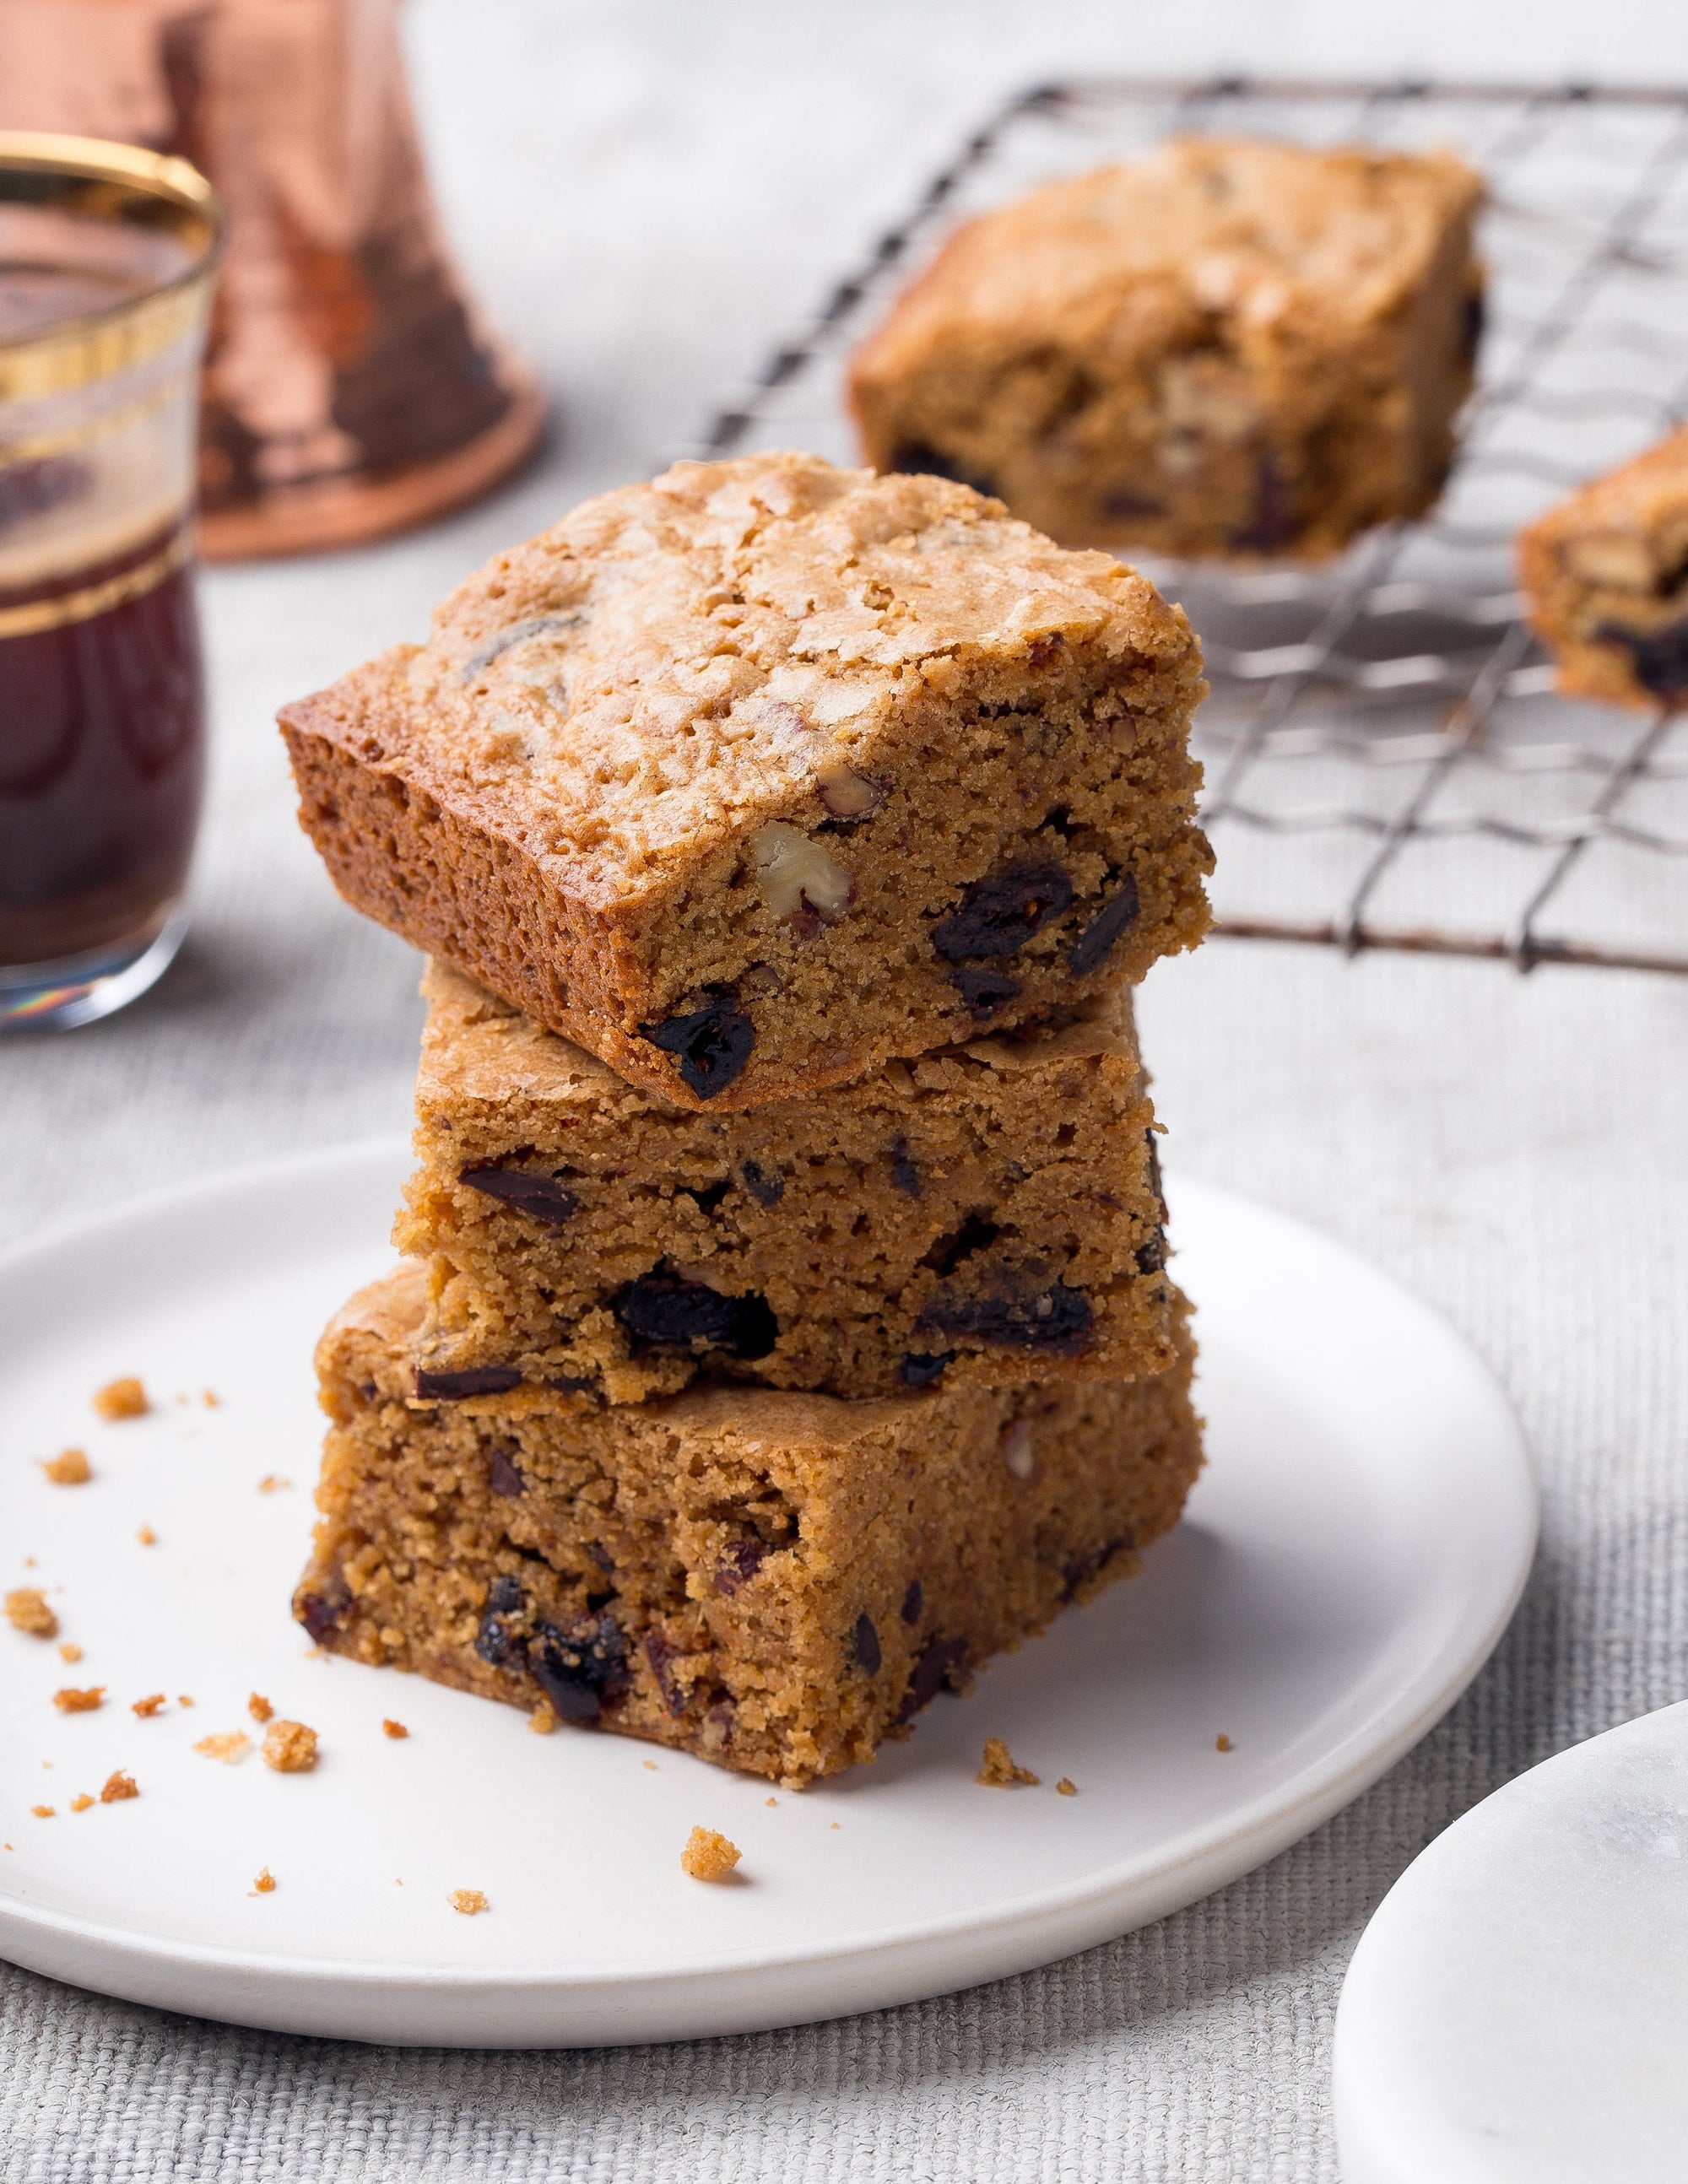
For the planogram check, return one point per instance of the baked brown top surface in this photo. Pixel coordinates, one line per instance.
(477, 1048)
(1124, 256)
(676, 659)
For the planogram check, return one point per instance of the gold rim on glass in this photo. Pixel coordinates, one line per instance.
(151, 189)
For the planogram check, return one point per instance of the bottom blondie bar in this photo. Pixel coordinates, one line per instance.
(774, 1581)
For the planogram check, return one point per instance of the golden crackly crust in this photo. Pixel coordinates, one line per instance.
(921, 1212)
(565, 791)
(1609, 563)
(1118, 353)
(773, 1581)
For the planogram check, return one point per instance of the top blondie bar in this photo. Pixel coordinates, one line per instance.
(1231, 347)
(757, 776)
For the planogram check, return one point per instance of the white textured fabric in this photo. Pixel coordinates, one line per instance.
(681, 176)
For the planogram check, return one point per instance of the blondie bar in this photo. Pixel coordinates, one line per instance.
(1229, 348)
(752, 777)
(773, 1581)
(991, 1212)
(1605, 575)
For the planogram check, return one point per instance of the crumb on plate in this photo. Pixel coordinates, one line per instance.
(290, 1747)
(231, 1745)
(468, 1900)
(772, 1801)
(1222, 1743)
(147, 1537)
(259, 1706)
(45, 1812)
(708, 1856)
(999, 1771)
(69, 1652)
(82, 1803)
(69, 1700)
(118, 1786)
(265, 1882)
(1066, 1787)
(122, 1398)
(211, 1400)
(183, 1699)
(272, 1482)
(148, 1706)
(26, 1610)
(70, 1467)
(391, 1728)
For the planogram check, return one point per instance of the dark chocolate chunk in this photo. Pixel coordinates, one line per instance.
(976, 1233)
(939, 1661)
(661, 1309)
(984, 990)
(767, 1186)
(708, 1195)
(494, 1639)
(914, 455)
(1660, 656)
(580, 1667)
(1056, 1319)
(540, 1197)
(740, 1564)
(1273, 524)
(1152, 1256)
(864, 1645)
(322, 1612)
(1000, 914)
(913, 1601)
(921, 1369)
(712, 1044)
(904, 1175)
(601, 1555)
(504, 1475)
(567, 1384)
(1090, 951)
(473, 1381)
(1082, 1568)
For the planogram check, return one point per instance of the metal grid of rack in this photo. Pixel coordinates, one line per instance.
(1387, 764)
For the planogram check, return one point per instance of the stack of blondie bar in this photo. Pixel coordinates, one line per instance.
(785, 1325)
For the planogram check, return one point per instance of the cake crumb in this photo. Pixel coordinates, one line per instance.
(290, 1747)
(182, 1699)
(1066, 1788)
(650, 1766)
(26, 1610)
(468, 1900)
(69, 1700)
(68, 1652)
(835, 1826)
(70, 1467)
(999, 1771)
(708, 1856)
(213, 1401)
(259, 1706)
(543, 1718)
(771, 1801)
(272, 1482)
(1222, 1743)
(82, 1803)
(148, 1707)
(122, 1398)
(147, 1537)
(45, 1812)
(232, 1745)
(264, 1883)
(118, 1786)
(391, 1728)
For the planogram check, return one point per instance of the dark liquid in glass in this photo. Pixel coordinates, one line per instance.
(102, 758)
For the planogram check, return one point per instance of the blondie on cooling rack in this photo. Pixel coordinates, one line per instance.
(1387, 764)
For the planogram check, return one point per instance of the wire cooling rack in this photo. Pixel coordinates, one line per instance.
(1387, 764)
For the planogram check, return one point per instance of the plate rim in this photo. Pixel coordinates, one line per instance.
(1177, 1874)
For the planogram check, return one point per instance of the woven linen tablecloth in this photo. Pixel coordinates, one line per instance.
(643, 193)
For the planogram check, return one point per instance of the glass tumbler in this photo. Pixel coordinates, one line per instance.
(107, 259)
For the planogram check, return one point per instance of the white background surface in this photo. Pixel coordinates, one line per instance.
(644, 193)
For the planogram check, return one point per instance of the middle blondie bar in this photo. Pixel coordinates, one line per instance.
(990, 1213)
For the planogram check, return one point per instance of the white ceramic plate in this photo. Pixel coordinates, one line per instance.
(1348, 1560)
(1516, 2013)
